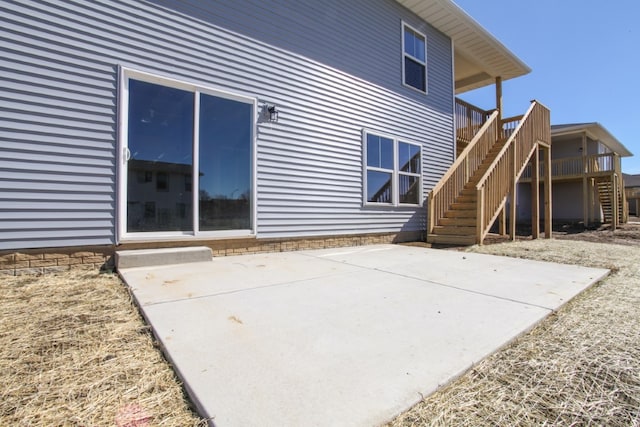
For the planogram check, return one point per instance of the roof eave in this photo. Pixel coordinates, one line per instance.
(597, 132)
(488, 55)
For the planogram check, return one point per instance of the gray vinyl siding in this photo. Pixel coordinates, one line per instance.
(330, 77)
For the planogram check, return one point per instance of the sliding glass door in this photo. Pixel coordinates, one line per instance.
(175, 133)
(224, 199)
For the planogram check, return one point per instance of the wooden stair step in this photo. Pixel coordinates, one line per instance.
(468, 213)
(463, 206)
(459, 221)
(451, 240)
(454, 230)
(467, 199)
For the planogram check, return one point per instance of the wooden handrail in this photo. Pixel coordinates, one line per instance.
(458, 174)
(509, 125)
(496, 183)
(469, 119)
(513, 118)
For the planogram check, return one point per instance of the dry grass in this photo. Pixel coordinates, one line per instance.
(581, 366)
(74, 351)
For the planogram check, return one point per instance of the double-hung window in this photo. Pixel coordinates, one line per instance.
(392, 171)
(414, 62)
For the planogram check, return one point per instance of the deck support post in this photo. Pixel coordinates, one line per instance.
(594, 214)
(535, 193)
(431, 222)
(618, 194)
(480, 216)
(512, 196)
(614, 202)
(499, 102)
(585, 186)
(548, 211)
(502, 222)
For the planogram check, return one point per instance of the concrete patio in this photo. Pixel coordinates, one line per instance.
(340, 337)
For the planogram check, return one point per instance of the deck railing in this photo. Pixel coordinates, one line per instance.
(497, 182)
(469, 119)
(576, 167)
(509, 125)
(467, 163)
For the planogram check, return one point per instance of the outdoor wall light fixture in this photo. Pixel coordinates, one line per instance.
(273, 113)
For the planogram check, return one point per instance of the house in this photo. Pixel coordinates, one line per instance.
(632, 193)
(307, 124)
(586, 173)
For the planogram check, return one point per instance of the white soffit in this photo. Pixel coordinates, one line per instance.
(479, 56)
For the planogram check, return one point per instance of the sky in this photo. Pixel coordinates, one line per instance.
(585, 61)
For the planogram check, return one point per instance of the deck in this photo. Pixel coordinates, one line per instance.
(575, 168)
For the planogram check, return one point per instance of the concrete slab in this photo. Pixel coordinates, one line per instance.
(340, 337)
(227, 274)
(503, 277)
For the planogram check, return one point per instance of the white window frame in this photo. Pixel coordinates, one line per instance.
(395, 173)
(122, 235)
(413, 58)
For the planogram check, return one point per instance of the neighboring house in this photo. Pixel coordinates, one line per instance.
(307, 123)
(632, 193)
(586, 175)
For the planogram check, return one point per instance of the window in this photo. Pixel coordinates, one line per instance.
(145, 176)
(408, 173)
(414, 54)
(149, 211)
(162, 181)
(392, 171)
(181, 208)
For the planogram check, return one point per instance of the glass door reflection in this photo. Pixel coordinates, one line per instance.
(224, 164)
(160, 141)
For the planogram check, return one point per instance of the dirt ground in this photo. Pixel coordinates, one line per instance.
(626, 234)
(75, 351)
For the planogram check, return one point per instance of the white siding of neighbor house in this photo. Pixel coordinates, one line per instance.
(331, 70)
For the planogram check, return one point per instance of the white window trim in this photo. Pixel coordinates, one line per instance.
(426, 76)
(395, 173)
(122, 235)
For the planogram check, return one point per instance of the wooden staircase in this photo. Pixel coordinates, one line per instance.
(458, 226)
(471, 194)
(611, 197)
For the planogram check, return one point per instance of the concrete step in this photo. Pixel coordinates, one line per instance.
(164, 256)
